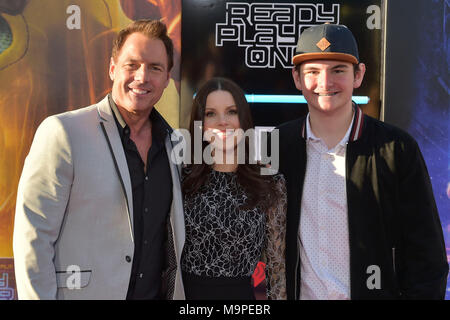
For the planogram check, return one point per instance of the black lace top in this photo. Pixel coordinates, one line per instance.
(223, 240)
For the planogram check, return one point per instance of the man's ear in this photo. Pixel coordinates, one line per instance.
(112, 67)
(359, 76)
(296, 77)
(168, 79)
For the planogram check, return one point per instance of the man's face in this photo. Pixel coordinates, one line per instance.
(327, 85)
(139, 73)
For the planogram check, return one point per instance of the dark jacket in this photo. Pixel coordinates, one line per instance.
(392, 215)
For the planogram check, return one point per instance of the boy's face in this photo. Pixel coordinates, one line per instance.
(327, 85)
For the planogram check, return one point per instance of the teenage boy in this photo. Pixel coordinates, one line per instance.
(362, 221)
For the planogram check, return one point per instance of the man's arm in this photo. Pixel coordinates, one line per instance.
(423, 266)
(42, 197)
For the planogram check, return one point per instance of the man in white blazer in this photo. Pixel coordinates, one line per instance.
(81, 231)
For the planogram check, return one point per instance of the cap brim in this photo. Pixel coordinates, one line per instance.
(299, 58)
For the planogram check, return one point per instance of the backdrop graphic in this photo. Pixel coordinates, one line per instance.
(418, 88)
(7, 279)
(252, 42)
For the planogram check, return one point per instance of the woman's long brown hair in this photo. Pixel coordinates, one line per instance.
(259, 189)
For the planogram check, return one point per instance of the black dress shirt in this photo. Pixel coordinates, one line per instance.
(152, 198)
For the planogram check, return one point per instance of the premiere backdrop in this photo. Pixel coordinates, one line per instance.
(252, 42)
(418, 88)
(54, 57)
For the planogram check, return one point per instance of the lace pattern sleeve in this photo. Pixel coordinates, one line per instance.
(275, 244)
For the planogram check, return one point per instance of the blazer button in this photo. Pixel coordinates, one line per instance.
(128, 258)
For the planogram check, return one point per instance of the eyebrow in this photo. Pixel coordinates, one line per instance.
(227, 107)
(132, 60)
(339, 66)
(157, 64)
(139, 61)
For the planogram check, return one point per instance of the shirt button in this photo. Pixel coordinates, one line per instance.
(128, 258)
(145, 209)
(141, 275)
(145, 242)
(146, 178)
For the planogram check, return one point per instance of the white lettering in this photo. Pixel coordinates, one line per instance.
(74, 280)
(191, 310)
(221, 148)
(74, 20)
(374, 21)
(269, 31)
(251, 309)
(374, 281)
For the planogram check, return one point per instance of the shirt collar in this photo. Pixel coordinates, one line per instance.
(120, 122)
(159, 127)
(356, 127)
(310, 135)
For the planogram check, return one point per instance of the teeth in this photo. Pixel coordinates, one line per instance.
(222, 134)
(326, 94)
(139, 91)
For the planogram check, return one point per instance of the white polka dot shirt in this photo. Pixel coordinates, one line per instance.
(323, 232)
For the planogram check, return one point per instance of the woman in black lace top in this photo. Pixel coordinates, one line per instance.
(234, 216)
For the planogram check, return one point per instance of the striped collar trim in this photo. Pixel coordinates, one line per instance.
(358, 122)
(356, 131)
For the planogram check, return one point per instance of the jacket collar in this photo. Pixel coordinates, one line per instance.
(356, 131)
(104, 110)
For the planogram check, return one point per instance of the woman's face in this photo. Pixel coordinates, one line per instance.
(221, 120)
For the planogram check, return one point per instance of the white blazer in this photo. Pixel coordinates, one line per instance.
(75, 208)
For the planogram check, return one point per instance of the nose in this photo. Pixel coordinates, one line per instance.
(324, 80)
(222, 120)
(141, 74)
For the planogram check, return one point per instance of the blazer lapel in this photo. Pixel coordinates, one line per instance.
(109, 128)
(177, 218)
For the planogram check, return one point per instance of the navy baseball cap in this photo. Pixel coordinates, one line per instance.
(326, 42)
